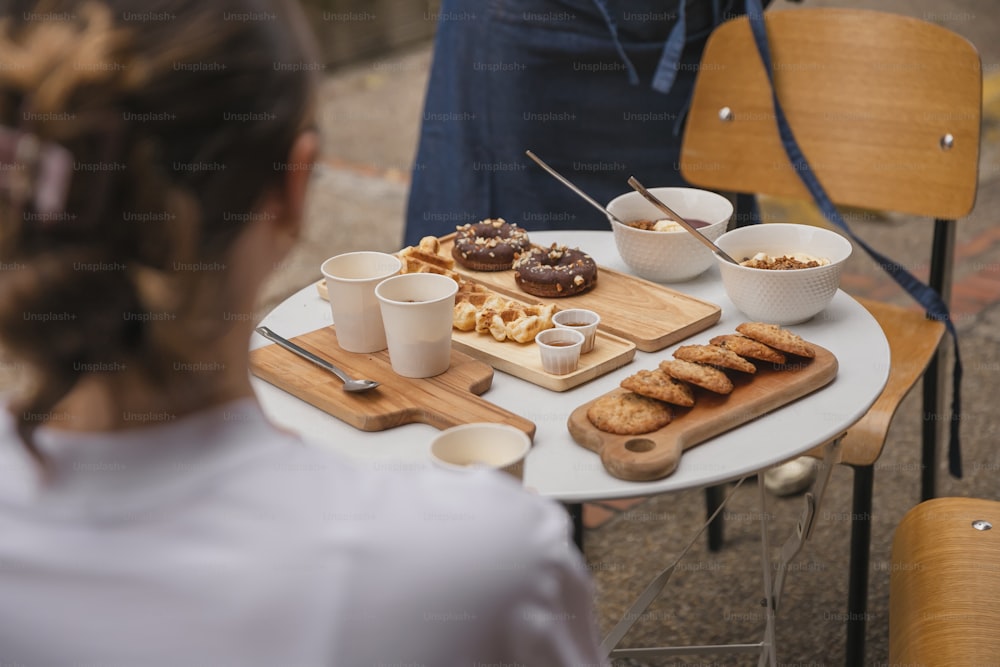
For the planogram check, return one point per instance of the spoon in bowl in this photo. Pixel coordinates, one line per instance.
(350, 384)
(565, 181)
(637, 186)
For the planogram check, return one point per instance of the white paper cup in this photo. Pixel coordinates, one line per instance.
(417, 311)
(560, 349)
(350, 285)
(484, 444)
(584, 321)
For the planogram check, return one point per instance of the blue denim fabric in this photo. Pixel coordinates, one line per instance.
(571, 80)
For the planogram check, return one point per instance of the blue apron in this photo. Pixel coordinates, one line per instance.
(596, 88)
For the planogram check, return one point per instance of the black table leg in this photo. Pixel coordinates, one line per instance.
(576, 516)
(714, 495)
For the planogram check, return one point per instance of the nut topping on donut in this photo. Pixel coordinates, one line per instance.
(556, 271)
(489, 245)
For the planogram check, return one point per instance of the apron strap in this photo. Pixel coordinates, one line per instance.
(670, 59)
(602, 6)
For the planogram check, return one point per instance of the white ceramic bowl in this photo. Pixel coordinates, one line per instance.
(782, 296)
(668, 257)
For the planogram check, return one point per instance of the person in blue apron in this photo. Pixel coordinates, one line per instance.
(596, 88)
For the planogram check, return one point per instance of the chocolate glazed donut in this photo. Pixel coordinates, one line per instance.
(556, 271)
(490, 245)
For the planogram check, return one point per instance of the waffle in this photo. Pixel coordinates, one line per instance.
(476, 307)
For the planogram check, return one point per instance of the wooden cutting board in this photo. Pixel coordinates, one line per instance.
(656, 454)
(442, 401)
(651, 316)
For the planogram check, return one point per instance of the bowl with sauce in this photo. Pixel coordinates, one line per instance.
(787, 273)
(658, 249)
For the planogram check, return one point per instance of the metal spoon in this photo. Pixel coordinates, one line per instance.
(637, 186)
(350, 384)
(562, 179)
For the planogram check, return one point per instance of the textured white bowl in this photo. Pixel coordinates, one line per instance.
(668, 257)
(782, 297)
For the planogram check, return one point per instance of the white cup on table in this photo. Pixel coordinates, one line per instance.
(482, 444)
(417, 311)
(350, 286)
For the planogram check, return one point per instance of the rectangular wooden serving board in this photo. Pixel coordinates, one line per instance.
(650, 315)
(524, 361)
(656, 454)
(442, 401)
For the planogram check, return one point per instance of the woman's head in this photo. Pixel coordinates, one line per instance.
(177, 117)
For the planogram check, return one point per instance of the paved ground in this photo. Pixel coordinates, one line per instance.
(369, 115)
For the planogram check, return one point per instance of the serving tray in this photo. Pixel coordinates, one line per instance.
(656, 454)
(650, 315)
(524, 361)
(442, 401)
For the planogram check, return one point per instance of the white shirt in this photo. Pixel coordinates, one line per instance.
(218, 540)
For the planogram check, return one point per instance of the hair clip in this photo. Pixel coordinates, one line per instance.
(35, 171)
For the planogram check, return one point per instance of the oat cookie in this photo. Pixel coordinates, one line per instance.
(628, 414)
(748, 347)
(778, 338)
(714, 356)
(704, 376)
(657, 384)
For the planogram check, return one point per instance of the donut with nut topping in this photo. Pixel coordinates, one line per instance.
(556, 271)
(489, 245)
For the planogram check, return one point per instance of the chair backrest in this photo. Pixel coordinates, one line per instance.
(872, 98)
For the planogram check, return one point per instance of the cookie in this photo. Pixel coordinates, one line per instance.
(748, 347)
(657, 384)
(628, 414)
(703, 376)
(778, 338)
(714, 355)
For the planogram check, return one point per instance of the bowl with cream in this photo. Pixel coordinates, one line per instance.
(659, 249)
(787, 273)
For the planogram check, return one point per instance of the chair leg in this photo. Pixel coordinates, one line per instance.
(857, 587)
(931, 428)
(714, 495)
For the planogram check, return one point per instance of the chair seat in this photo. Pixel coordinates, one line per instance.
(913, 340)
(944, 585)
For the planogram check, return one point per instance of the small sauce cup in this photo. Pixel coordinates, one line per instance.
(582, 320)
(560, 349)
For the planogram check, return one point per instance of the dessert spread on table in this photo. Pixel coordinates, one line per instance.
(489, 245)
(796, 260)
(673, 382)
(641, 428)
(478, 308)
(554, 272)
(663, 225)
(496, 245)
(501, 330)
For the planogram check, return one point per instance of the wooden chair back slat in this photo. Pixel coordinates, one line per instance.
(869, 117)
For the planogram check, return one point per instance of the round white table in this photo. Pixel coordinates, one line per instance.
(558, 467)
(563, 470)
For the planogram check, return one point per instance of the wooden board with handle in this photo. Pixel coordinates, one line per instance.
(445, 400)
(657, 454)
(650, 315)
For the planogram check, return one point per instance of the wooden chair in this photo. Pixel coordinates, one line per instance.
(944, 584)
(887, 110)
